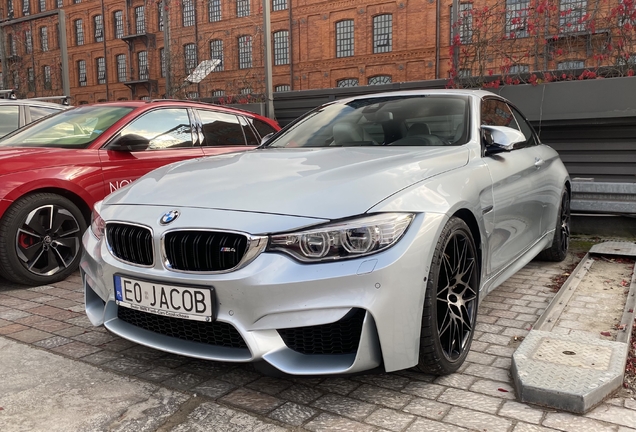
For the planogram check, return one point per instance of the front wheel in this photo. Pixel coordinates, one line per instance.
(41, 239)
(451, 300)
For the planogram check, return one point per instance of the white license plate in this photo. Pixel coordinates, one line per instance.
(167, 300)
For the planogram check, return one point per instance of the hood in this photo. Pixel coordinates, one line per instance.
(16, 159)
(326, 183)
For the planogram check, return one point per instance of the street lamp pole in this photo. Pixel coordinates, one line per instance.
(267, 39)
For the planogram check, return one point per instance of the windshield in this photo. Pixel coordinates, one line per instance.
(412, 120)
(74, 128)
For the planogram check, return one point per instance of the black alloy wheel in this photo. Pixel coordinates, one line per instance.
(450, 308)
(46, 230)
(558, 250)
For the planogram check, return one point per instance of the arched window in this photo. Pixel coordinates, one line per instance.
(380, 79)
(347, 82)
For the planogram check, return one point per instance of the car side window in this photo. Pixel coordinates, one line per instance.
(221, 129)
(250, 136)
(495, 112)
(261, 127)
(167, 128)
(9, 115)
(525, 127)
(39, 112)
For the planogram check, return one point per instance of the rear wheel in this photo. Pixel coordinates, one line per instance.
(450, 304)
(561, 242)
(42, 239)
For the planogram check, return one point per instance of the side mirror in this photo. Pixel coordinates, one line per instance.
(129, 143)
(266, 138)
(499, 139)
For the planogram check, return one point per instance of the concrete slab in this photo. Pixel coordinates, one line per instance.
(569, 372)
(40, 391)
(615, 248)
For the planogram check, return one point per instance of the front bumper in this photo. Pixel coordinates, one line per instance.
(275, 292)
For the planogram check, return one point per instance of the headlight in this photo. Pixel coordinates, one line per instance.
(348, 239)
(97, 223)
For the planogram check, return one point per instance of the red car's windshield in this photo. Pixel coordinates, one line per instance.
(74, 128)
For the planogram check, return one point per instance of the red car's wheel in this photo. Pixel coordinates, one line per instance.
(42, 239)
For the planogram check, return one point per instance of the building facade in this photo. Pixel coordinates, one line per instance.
(137, 49)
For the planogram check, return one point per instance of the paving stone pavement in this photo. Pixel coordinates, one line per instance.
(236, 397)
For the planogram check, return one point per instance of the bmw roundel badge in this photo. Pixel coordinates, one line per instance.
(169, 217)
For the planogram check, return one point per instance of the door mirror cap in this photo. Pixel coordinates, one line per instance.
(128, 143)
(500, 139)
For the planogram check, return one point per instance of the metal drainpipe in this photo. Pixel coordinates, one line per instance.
(267, 39)
(105, 52)
(291, 48)
(35, 87)
(66, 83)
(437, 37)
(196, 44)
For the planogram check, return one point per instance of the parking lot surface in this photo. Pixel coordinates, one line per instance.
(60, 373)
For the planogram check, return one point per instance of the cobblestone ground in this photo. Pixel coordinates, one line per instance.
(231, 397)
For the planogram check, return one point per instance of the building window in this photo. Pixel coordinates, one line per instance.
(142, 65)
(28, 41)
(31, 79)
(344, 38)
(281, 47)
(44, 38)
(190, 54)
(282, 88)
(242, 8)
(571, 65)
(13, 46)
(47, 77)
(81, 72)
(26, 7)
(464, 73)
(218, 92)
(59, 4)
(245, 52)
(347, 82)
(245, 91)
(122, 75)
(188, 13)
(42, 5)
(214, 10)
(380, 79)
(571, 13)
(517, 18)
(160, 19)
(518, 69)
(193, 95)
(162, 59)
(118, 17)
(145, 98)
(98, 22)
(279, 5)
(464, 26)
(79, 32)
(9, 9)
(383, 33)
(101, 70)
(216, 52)
(140, 20)
(16, 79)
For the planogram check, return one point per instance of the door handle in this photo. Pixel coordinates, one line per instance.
(538, 162)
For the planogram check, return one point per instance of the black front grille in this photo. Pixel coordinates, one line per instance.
(130, 243)
(204, 250)
(341, 337)
(211, 333)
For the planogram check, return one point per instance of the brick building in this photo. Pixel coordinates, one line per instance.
(118, 50)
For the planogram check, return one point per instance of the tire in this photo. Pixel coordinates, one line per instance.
(451, 301)
(41, 239)
(559, 248)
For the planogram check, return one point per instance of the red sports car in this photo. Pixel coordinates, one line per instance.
(54, 170)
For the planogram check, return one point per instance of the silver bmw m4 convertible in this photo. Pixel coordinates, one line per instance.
(362, 235)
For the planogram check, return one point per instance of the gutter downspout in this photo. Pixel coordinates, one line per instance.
(105, 52)
(437, 37)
